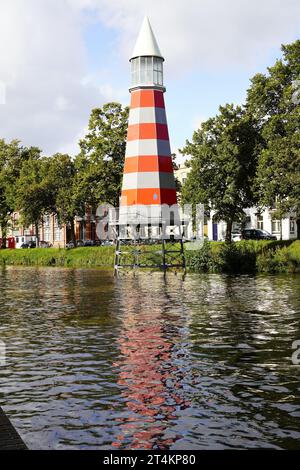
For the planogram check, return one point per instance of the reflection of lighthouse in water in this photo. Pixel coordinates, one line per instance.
(151, 382)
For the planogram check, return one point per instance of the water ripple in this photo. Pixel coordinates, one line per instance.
(141, 362)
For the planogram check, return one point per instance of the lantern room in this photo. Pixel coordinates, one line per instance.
(146, 60)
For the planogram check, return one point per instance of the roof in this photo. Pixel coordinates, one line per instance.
(146, 44)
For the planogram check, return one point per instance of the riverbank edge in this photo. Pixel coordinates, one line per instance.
(245, 257)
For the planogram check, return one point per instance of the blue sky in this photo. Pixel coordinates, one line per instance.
(191, 97)
(61, 58)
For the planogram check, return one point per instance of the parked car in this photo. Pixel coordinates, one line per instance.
(92, 243)
(44, 244)
(24, 246)
(70, 244)
(256, 234)
(30, 244)
(107, 243)
(236, 237)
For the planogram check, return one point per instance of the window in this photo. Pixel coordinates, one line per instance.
(135, 71)
(292, 225)
(158, 71)
(47, 234)
(142, 69)
(47, 220)
(56, 230)
(82, 230)
(276, 226)
(260, 222)
(147, 71)
(56, 234)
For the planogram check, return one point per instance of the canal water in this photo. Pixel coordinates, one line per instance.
(144, 362)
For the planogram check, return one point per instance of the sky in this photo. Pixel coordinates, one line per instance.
(61, 58)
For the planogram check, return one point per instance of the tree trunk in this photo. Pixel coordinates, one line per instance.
(228, 231)
(73, 236)
(298, 227)
(4, 235)
(37, 235)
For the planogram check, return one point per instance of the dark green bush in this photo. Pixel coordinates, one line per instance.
(236, 259)
(246, 257)
(200, 260)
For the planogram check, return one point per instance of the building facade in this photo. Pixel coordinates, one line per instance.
(54, 233)
(285, 229)
(181, 173)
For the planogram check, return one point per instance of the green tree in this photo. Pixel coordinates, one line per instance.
(223, 165)
(34, 194)
(274, 101)
(12, 157)
(101, 160)
(68, 196)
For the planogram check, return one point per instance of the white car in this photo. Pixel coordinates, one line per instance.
(236, 237)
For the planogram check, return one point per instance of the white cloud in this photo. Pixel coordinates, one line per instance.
(43, 62)
(205, 33)
(2, 92)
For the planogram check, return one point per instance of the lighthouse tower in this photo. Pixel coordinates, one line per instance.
(148, 207)
(148, 180)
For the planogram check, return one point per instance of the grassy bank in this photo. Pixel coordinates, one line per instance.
(246, 257)
(215, 257)
(87, 257)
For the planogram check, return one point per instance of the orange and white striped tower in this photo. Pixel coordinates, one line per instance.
(148, 180)
(148, 207)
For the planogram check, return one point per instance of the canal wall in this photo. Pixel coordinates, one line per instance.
(245, 257)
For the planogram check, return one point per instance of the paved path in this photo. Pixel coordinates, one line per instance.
(9, 438)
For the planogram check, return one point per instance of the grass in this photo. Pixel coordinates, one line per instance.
(243, 257)
(87, 257)
(247, 257)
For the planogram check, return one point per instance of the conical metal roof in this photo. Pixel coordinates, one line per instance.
(146, 44)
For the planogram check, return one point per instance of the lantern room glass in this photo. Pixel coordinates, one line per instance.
(147, 71)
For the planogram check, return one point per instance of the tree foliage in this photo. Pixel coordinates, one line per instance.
(101, 160)
(274, 102)
(12, 157)
(69, 200)
(223, 164)
(34, 196)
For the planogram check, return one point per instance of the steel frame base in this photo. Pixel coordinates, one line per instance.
(136, 254)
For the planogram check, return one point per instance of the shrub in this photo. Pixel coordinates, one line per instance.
(201, 260)
(279, 260)
(237, 259)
